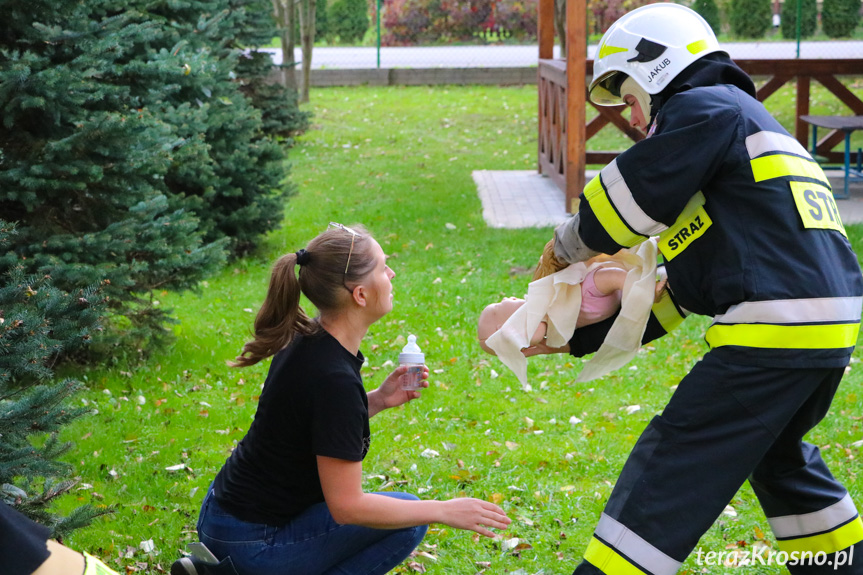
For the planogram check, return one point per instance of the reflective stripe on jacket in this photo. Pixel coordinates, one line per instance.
(748, 227)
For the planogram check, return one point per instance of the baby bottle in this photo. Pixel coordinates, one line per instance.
(413, 357)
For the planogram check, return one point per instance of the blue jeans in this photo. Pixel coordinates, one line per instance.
(312, 543)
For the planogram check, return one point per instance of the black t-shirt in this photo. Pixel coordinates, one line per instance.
(313, 403)
(23, 543)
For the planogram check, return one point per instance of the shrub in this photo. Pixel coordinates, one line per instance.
(517, 18)
(808, 20)
(750, 18)
(349, 20)
(409, 22)
(710, 12)
(839, 18)
(603, 13)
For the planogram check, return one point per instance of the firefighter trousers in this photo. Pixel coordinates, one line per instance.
(727, 423)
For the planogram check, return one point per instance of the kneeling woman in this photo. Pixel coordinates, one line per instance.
(289, 499)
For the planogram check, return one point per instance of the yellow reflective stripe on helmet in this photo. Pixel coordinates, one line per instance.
(829, 542)
(697, 46)
(606, 50)
(829, 336)
(779, 165)
(608, 560)
(595, 194)
(667, 313)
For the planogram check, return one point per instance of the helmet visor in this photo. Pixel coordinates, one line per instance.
(605, 90)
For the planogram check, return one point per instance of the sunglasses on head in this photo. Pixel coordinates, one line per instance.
(353, 237)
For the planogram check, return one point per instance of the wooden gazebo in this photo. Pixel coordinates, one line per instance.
(564, 131)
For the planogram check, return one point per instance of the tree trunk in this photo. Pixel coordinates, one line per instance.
(283, 11)
(307, 40)
(560, 24)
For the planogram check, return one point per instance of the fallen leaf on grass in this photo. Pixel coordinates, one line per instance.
(464, 476)
(508, 544)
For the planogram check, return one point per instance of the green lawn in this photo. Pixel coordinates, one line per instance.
(399, 161)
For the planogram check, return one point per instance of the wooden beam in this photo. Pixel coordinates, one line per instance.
(845, 95)
(612, 114)
(825, 145)
(594, 126)
(844, 67)
(801, 128)
(545, 29)
(771, 86)
(576, 112)
(600, 157)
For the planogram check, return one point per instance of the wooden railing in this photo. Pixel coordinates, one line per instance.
(553, 123)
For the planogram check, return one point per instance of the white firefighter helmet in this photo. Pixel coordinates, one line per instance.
(652, 45)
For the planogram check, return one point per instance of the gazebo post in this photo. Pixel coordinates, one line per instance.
(576, 111)
(545, 29)
(545, 34)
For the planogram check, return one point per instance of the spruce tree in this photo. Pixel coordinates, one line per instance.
(750, 18)
(231, 171)
(808, 20)
(39, 324)
(839, 18)
(710, 12)
(84, 160)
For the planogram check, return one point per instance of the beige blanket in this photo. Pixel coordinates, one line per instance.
(556, 299)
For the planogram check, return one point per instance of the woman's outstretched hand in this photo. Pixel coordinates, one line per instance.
(475, 515)
(391, 394)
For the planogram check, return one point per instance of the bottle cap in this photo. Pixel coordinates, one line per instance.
(411, 353)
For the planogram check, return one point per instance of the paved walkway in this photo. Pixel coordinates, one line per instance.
(524, 199)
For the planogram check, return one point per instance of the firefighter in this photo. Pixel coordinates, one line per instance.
(751, 236)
